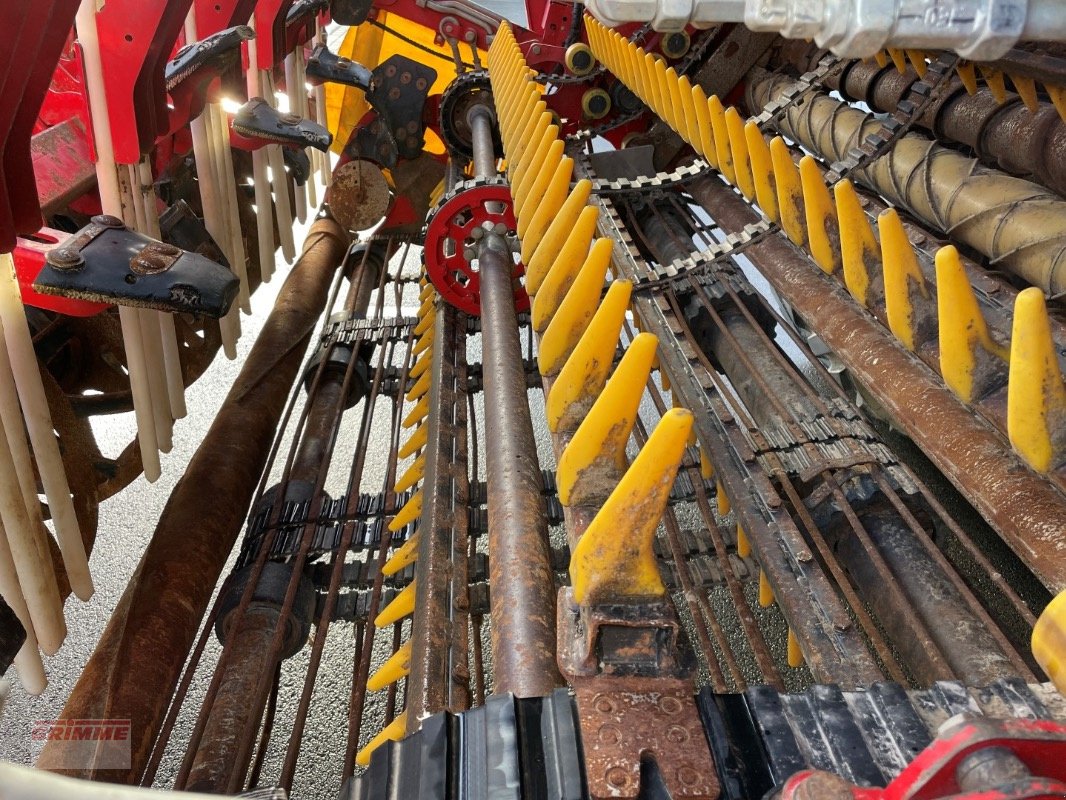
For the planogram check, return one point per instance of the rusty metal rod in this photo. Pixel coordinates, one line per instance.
(522, 586)
(136, 665)
(1027, 510)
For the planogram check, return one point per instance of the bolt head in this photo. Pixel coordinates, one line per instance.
(64, 258)
(108, 221)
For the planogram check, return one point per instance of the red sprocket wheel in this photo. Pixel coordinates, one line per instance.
(452, 236)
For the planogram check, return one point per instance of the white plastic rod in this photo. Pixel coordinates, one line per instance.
(27, 376)
(33, 561)
(157, 379)
(168, 337)
(297, 106)
(28, 658)
(238, 257)
(305, 111)
(111, 200)
(230, 324)
(279, 179)
(264, 210)
(209, 200)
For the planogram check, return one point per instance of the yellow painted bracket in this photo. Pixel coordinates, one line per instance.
(614, 558)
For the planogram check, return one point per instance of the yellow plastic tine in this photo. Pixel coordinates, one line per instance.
(421, 365)
(1026, 88)
(703, 120)
(899, 58)
(425, 323)
(706, 465)
(418, 413)
(584, 374)
(393, 732)
(724, 506)
(996, 84)
(789, 192)
(548, 206)
(615, 558)
(412, 475)
(738, 148)
(529, 138)
(859, 252)
(540, 175)
(903, 277)
(1058, 98)
(422, 344)
(527, 174)
(561, 334)
(967, 352)
(743, 545)
(420, 387)
(917, 59)
(411, 511)
(396, 667)
(968, 76)
(762, 171)
(525, 109)
(766, 592)
(404, 556)
(402, 605)
(692, 125)
(821, 216)
(654, 90)
(881, 57)
(676, 109)
(428, 293)
(1036, 394)
(416, 442)
(565, 268)
(596, 454)
(721, 139)
(794, 653)
(547, 250)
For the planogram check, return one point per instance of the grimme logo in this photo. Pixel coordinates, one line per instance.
(78, 743)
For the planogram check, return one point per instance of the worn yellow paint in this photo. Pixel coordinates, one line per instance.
(762, 171)
(614, 558)
(1036, 395)
(597, 450)
(821, 215)
(568, 322)
(721, 139)
(703, 120)
(584, 374)
(738, 148)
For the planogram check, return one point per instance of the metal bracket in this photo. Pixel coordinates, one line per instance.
(258, 124)
(326, 67)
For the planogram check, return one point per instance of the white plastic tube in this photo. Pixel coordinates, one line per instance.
(28, 658)
(297, 106)
(261, 180)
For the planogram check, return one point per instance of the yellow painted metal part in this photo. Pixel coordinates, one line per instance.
(402, 605)
(596, 454)
(789, 192)
(860, 255)
(412, 475)
(762, 171)
(397, 666)
(1049, 641)
(584, 374)
(1036, 395)
(411, 511)
(821, 216)
(567, 264)
(738, 148)
(903, 277)
(964, 337)
(393, 732)
(404, 556)
(562, 333)
(551, 244)
(548, 206)
(614, 558)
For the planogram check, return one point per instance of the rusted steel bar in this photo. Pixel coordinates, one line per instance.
(1025, 508)
(137, 663)
(522, 586)
(1019, 225)
(439, 678)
